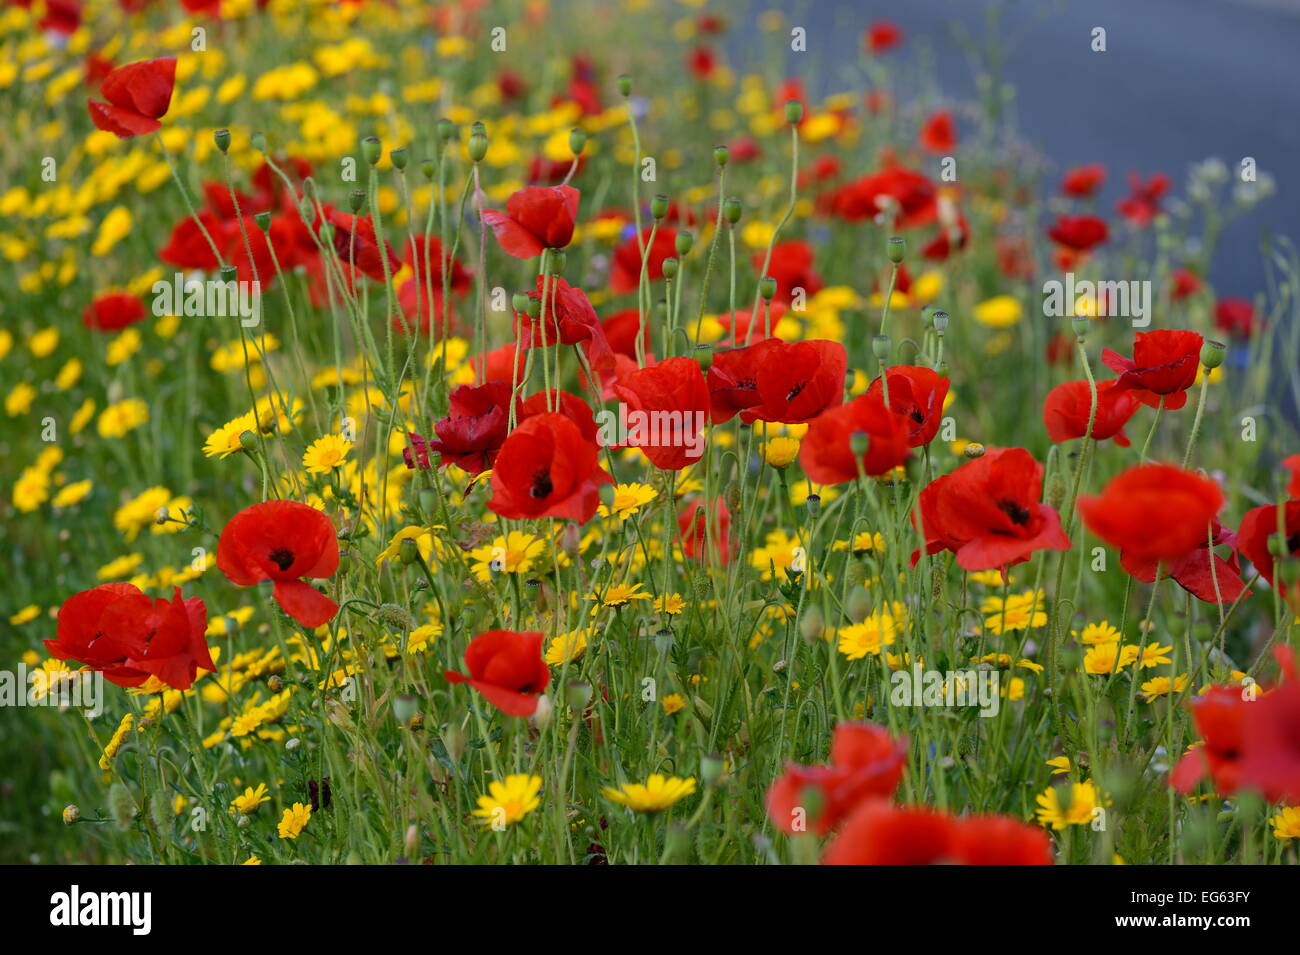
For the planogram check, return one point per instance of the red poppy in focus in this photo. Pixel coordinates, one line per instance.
(536, 218)
(917, 393)
(113, 311)
(1163, 366)
(988, 512)
(546, 468)
(672, 404)
(792, 267)
(882, 35)
(1082, 181)
(826, 452)
(1078, 233)
(119, 631)
(702, 523)
(939, 134)
(1154, 511)
(475, 427)
(1257, 526)
(866, 763)
(1068, 406)
(138, 95)
(733, 379)
(797, 381)
(284, 542)
(507, 668)
(571, 406)
(1236, 316)
(1201, 572)
(567, 316)
(625, 273)
(880, 834)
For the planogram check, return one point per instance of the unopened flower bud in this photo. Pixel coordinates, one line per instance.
(896, 248)
(973, 450)
(478, 142)
(812, 624)
(71, 814)
(880, 347)
(372, 149)
(259, 142)
(712, 766)
(858, 603)
(248, 440)
(405, 706)
(732, 498)
(859, 443)
(578, 695)
(607, 494)
(1055, 492)
(274, 683)
(222, 138)
(121, 807)
(160, 812)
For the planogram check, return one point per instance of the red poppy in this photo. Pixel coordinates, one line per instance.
(1143, 201)
(507, 668)
(671, 402)
(826, 452)
(138, 95)
(988, 512)
(917, 393)
(1068, 406)
(1164, 365)
(1201, 572)
(547, 469)
(61, 16)
(939, 134)
(797, 381)
(475, 427)
(421, 296)
(792, 267)
(119, 631)
(907, 198)
(1270, 750)
(866, 762)
(1078, 233)
(1292, 464)
(188, 248)
(1186, 283)
(356, 244)
(1236, 316)
(536, 218)
(1260, 524)
(1000, 840)
(882, 35)
(1082, 181)
(1154, 511)
(113, 311)
(625, 273)
(567, 314)
(621, 329)
(880, 834)
(701, 61)
(701, 523)
(1219, 715)
(571, 406)
(283, 542)
(733, 379)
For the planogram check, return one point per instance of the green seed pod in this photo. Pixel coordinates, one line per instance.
(446, 129)
(263, 220)
(659, 207)
(222, 138)
(793, 111)
(859, 443)
(624, 86)
(577, 141)
(767, 288)
(1212, 354)
(670, 267)
(939, 321)
(896, 248)
(428, 169)
(1079, 325)
(228, 273)
(356, 200)
(520, 301)
(731, 209)
(606, 494)
(684, 242)
(478, 142)
(721, 154)
(880, 347)
(399, 158)
(372, 150)
(259, 142)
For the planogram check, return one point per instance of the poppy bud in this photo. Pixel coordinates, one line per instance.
(160, 812)
(545, 710)
(855, 572)
(793, 110)
(274, 683)
(659, 207)
(880, 346)
(895, 248)
(248, 441)
(812, 624)
(577, 141)
(731, 209)
(428, 168)
(684, 243)
(520, 301)
(454, 740)
(858, 603)
(222, 138)
(712, 766)
(974, 450)
(1054, 493)
(664, 640)
(556, 260)
(767, 288)
(405, 707)
(670, 268)
(446, 129)
(259, 142)
(121, 807)
(71, 814)
(1212, 354)
(859, 443)
(732, 497)
(372, 149)
(721, 154)
(398, 157)
(625, 85)
(478, 142)
(939, 321)
(263, 220)
(356, 199)
(578, 695)
(397, 617)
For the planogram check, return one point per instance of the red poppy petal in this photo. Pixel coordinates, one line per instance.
(305, 603)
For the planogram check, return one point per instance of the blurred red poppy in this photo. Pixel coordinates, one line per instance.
(702, 523)
(792, 267)
(1142, 204)
(1154, 511)
(507, 668)
(905, 198)
(547, 469)
(536, 218)
(138, 95)
(1270, 745)
(1257, 527)
(826, 452)
(625, 272)
(113, 311)
(879, 834)
(1236, 316)
(882, 35)
(1163, 365)
(1082, 181)
(939, 134)
(284, 542)
(1078, 233)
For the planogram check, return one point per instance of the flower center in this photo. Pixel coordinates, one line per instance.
(542, 485)
(282, 557)
(1014, 510)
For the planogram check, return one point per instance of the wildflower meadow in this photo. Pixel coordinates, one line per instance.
(565, 432)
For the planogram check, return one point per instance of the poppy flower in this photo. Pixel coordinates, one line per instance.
(1163, 365)
(797, 381)
(917, 393)
(477, 421)
(356, 244)
(1078, 233)
(1260, 524)
(138, 94)
(536, 218)
(1154, 511)
(283, 542)
(733, 379)
(1292, 464)
(989, 512)
(547, 469)
(826, 452)
(671, 400)
(701, 61)
(1142, 204)
(1270, 744)
(939, 134)
(507, 668)
(421, 296)
(1000, 840)
(1236, 316)
(1201, 572)
(625, 272)
(567, 316)
(188, 248)
(1186, 284)
(1219, 714)
(1068, 406)
(907, 196)
(882, 35)
(792, 267)
(113, 311)
(571, 406)
(1082, 182)
(621, 331)
(880, 834)
(701, 523)
(866, 762)
(121, 632)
